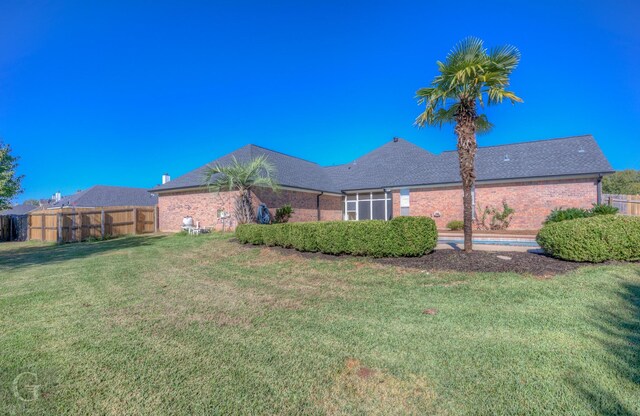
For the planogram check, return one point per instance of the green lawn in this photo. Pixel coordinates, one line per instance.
(174, 325)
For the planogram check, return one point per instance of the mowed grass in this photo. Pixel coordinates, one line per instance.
(201, 325)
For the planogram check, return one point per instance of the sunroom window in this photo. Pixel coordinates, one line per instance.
(367, 206)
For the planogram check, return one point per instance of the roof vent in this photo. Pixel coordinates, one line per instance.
(395, 139)
(581, 149)
(506, 157)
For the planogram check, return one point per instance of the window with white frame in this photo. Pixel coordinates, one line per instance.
(368, 206)
(404, 202)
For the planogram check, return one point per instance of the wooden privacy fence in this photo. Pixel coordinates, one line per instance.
(627, 204)
(68, 224)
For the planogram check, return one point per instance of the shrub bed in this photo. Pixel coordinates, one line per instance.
(565, 214)
(594, 239)
(400, 237)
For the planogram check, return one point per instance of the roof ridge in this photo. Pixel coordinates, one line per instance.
(527, 142)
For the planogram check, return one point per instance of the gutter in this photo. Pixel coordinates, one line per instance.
(318, 203)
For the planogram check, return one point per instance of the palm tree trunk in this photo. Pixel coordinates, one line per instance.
(244, 207)
(467, 146)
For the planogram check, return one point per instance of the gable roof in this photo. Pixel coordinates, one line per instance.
(400, 163)
(290, 171)
(108, 196)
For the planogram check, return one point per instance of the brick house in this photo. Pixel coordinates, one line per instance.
(400, 178)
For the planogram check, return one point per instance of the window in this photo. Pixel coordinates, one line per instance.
(367, 206)
(404, 202)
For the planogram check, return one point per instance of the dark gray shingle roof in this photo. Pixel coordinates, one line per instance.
(577, 155)
(108, 196)
(401, 163)
(21, 209)
(290, 171)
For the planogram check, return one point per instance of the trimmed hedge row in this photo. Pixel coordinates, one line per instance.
(595, 239)
(400, 237)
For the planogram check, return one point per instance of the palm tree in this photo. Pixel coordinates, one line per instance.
(242, 177)
(470, 77)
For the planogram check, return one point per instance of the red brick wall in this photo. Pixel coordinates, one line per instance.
(203, 206)
(532, 201)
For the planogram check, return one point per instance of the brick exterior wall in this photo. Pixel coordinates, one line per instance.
(203, 206)
(532, 201)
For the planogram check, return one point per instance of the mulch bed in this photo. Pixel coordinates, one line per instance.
(485, 261)
(534, 264)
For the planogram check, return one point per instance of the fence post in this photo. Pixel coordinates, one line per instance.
(155, 219)
(610, 200)
(135, 220)
(59, 217)
(102, 224)
(42, 230)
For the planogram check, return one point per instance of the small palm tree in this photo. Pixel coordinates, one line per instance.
(242, 177)
(469, 78)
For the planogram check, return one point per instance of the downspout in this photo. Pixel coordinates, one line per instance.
(599, 187)
(318, 203)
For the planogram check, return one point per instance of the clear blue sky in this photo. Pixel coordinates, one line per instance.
(119, 92)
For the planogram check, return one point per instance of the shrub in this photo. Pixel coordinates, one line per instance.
(603, 209)
(455, 225)
(500, 220)
(595, 239)
(400, 237)
(283, 214)
(560, 214)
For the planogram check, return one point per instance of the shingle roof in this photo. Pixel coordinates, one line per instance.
(401, 163)
(21, 209)
(290, 171)
(577, 155)
(108, 196)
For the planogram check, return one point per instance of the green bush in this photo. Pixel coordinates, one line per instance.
(400, 237)
(455, 225)
(560, 214)
(283, 214)
(595, 239)
(603, 209)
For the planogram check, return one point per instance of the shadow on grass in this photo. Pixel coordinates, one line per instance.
(25, 256)
(619, 334)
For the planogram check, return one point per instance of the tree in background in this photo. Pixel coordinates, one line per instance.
(9, 180)
(470, 77)
(242, 177)
(624, 182)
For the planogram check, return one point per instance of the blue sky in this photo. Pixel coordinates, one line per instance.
(119, 92)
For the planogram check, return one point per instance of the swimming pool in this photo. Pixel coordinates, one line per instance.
(494, 242)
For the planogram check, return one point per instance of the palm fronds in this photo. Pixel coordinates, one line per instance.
(470, 75)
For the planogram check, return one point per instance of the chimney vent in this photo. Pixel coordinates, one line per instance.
(57, 196)
(165, 178)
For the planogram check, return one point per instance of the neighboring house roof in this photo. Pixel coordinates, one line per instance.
(108, 196)
(401, 163)
(21, 209)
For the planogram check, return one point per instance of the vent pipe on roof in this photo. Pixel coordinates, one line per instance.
(395, 140)
(57, 196)
(165, 178)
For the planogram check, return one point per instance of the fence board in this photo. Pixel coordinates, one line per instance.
(626, 204)
(67, 224)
